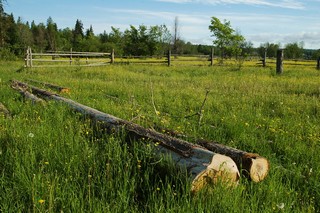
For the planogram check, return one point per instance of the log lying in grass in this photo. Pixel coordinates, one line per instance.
(253, 165)
(23, 91)
(52, 86)
(4, 111)
(204, 166)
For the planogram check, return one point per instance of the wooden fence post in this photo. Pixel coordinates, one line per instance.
(280, 61)
(264, 61)
(211, 59)
(112, 57)
(70, 56)
(318, 63)
(30, 55)
(169, 57)
(26, 60)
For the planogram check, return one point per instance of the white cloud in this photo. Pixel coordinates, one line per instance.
(289, 4)
(194, 26)
(310, 39)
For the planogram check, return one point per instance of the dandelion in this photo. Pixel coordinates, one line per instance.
(41, 201)
(46, 163)
(30, 135)
(158, 189)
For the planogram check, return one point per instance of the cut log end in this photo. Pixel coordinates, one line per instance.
(221, 168)
(256, 166)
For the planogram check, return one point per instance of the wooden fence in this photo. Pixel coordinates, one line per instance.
(168, 59)
(98, 59)
(61, 58)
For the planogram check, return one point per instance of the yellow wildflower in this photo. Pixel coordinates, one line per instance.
(41, 201)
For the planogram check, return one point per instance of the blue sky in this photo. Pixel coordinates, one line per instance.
(259, 21)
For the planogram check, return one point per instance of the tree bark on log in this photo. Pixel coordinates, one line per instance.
(23, 91)
(253, 165)
(205, 167)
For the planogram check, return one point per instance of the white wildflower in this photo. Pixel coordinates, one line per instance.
(280, 206)
(30, 135)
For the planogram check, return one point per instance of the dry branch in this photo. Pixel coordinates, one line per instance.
(204, 166)
(200, 112)
(152, 100)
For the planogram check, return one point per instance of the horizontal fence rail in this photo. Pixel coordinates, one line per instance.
(62, 58)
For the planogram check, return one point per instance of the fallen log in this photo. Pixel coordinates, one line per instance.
(205, 167)
(4, 111)
(23, 91)
(252, 165)
(52, 86)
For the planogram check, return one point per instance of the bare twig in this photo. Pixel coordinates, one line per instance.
(152, 100)
(200, 112)
(202, 106)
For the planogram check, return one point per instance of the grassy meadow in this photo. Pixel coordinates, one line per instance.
(52, 160)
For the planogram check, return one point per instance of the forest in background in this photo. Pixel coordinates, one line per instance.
(16, 35)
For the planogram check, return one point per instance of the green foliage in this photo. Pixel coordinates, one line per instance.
(78, 35)
(141, 41)
(7, 55)
(316, 54)
(226, 38)
(294, 50)
(270, 48)
(52, 34)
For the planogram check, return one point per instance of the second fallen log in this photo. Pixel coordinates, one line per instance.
(253, 165)
(52, 86)
(205, 167)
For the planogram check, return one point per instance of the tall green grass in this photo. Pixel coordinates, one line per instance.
(52, 159)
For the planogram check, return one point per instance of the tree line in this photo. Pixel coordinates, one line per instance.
(17, 35)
